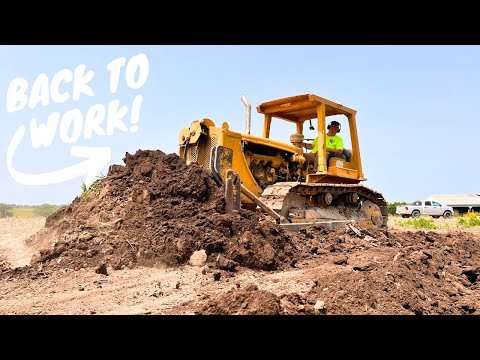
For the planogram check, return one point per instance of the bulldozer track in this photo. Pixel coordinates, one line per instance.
(281, 189)
(275, 194)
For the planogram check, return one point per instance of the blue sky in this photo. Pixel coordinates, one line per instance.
(417, 118)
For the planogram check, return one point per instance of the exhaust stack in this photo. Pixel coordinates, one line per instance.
(249, 118)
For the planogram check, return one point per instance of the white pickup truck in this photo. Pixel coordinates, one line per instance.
(425, 207)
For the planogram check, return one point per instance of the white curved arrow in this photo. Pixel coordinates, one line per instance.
(98, 157)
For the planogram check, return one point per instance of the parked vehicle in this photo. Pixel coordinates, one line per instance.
(425, 207)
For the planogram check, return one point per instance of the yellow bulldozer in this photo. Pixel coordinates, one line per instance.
(277, 177)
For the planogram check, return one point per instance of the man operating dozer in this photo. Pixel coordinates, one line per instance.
(333, 143)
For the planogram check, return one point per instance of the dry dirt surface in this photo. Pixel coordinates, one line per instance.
(152, 237)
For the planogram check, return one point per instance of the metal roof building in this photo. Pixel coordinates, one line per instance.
(460, 202)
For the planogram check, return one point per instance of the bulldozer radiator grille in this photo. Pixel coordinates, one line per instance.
(192, 154)
(201, 153)
(212, 141)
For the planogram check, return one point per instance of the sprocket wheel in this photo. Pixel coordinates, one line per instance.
(373, 213)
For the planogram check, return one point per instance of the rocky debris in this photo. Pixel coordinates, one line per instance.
(198, 258)
(225, 264)
(406, 274)
(319, 307)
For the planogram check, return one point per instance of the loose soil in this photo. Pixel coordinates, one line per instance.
(153, 237)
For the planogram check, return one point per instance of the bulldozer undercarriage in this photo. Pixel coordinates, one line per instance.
(330, 204)
(298, 205)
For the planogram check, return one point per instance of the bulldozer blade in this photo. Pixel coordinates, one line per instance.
(329, 224)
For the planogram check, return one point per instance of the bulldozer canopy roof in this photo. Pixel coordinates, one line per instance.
(300, 108)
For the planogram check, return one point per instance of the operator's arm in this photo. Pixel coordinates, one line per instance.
(338, 151)
(311, 146)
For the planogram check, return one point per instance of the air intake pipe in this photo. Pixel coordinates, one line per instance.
(249, 118)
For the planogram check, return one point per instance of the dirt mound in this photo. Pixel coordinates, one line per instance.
(397, 273)
(154, 210)
(422, 273)
(247, 301)
(411, 273)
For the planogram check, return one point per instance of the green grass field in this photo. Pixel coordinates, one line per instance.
(24, 212)
(470, 222)
(33, 211)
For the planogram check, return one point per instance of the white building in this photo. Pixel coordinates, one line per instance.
(461, 203)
